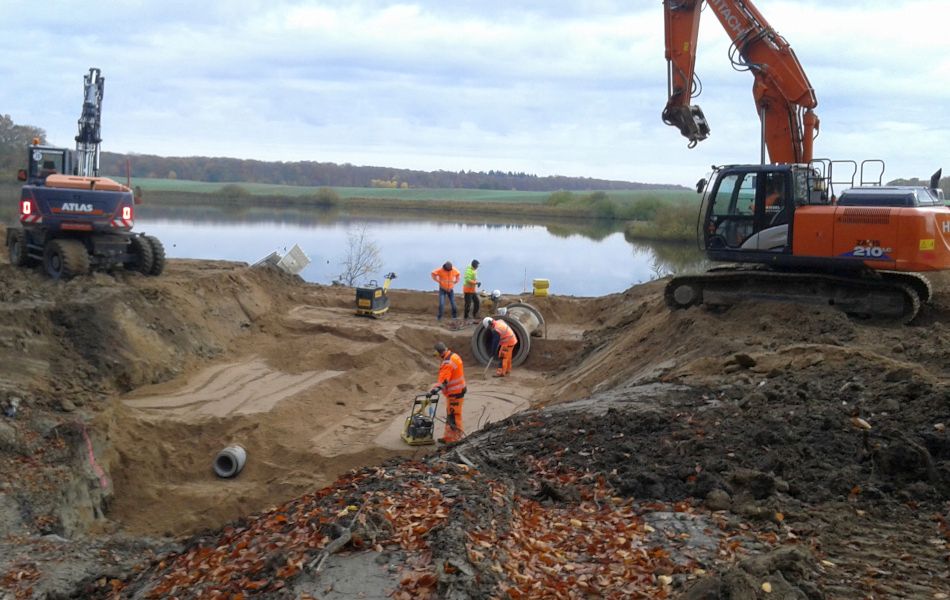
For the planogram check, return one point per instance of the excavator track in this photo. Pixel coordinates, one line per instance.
(892, 296)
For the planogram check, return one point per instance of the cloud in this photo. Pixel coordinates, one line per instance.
(546, 87)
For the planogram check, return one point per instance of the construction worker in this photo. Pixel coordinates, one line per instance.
(503, 343)
(452, 384)
(773, 190)
(446, 276)
(470, 285)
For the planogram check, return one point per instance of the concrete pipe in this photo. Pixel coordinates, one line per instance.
(528, 316)
(524, 320)
(230, 461)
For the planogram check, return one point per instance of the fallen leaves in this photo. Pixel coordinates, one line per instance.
(575, 550)
(596, 545)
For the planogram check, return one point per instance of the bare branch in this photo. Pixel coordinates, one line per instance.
(362, 256)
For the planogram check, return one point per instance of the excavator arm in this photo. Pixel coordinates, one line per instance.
(89, 137)
(783, 95)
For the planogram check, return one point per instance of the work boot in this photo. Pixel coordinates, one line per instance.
(499, 373)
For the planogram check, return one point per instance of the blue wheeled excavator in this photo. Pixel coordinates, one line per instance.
(71, 219)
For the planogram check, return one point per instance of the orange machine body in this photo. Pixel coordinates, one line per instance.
(891, 238)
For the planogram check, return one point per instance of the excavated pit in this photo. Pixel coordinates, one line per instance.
(129, 387)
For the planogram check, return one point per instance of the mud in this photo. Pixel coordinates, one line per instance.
(765, 444)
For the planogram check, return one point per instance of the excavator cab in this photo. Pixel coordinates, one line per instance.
(44, 161)
(749, 209)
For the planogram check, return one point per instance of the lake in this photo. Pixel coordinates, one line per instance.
(579, 258)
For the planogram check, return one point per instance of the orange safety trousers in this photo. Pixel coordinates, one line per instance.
(504, 355)
(453, 419)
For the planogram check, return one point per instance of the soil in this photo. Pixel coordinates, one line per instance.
(764, 451)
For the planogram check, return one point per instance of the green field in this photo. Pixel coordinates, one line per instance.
(415, 194)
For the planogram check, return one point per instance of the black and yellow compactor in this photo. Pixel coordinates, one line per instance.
(372, 300)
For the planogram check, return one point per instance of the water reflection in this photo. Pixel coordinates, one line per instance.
(562, 228)
(669, 258)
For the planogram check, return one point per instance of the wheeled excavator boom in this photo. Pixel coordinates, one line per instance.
(89, 137)
(780, 221)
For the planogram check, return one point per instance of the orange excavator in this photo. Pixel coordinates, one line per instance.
(788, 233)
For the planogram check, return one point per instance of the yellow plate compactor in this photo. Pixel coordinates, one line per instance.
(420, 423)
(372, 300)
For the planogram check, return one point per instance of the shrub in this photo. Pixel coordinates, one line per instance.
(559, 198)
(326, 197)
(602, 206)
(674, 222)
(233, 190)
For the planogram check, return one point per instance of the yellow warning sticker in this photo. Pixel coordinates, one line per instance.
(926, 244)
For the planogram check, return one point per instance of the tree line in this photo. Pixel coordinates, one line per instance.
(14, 138)
(326, 174)
(13, 142)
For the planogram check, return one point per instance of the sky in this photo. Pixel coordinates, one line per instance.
(538, 86)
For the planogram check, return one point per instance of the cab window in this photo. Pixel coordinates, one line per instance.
(736, 195)
(46, 162)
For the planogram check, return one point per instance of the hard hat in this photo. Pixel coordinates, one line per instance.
(486, 322)
(496, 294)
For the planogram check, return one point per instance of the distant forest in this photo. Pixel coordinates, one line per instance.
(14, 139)
(309, 173)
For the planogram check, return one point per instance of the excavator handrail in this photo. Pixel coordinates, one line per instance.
(880, 173)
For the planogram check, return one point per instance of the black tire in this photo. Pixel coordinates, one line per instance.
(16, 244)
(158, 255)
(142, 251)
(65, 259)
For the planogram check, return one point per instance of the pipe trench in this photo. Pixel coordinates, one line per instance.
(524, 319)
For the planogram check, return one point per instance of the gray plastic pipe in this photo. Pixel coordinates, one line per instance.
(230, 461)
(525, 320)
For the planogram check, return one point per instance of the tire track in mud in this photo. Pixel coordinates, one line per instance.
(232, 389)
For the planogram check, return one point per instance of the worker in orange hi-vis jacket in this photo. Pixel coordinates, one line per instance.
(452, 384)
(446, 276)
(503, 342)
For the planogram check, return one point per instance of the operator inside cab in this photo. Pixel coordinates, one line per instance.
(45, 163)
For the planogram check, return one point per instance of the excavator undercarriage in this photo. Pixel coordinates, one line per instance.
(875, 295)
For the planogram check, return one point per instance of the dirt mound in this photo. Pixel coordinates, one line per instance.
(689, 453)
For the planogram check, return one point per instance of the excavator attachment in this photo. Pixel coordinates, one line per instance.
(690, 120)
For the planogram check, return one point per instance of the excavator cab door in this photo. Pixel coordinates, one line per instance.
(750, 211)
(730, 216)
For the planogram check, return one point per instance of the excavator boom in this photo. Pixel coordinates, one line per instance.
(783, 95)
(89, 137)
